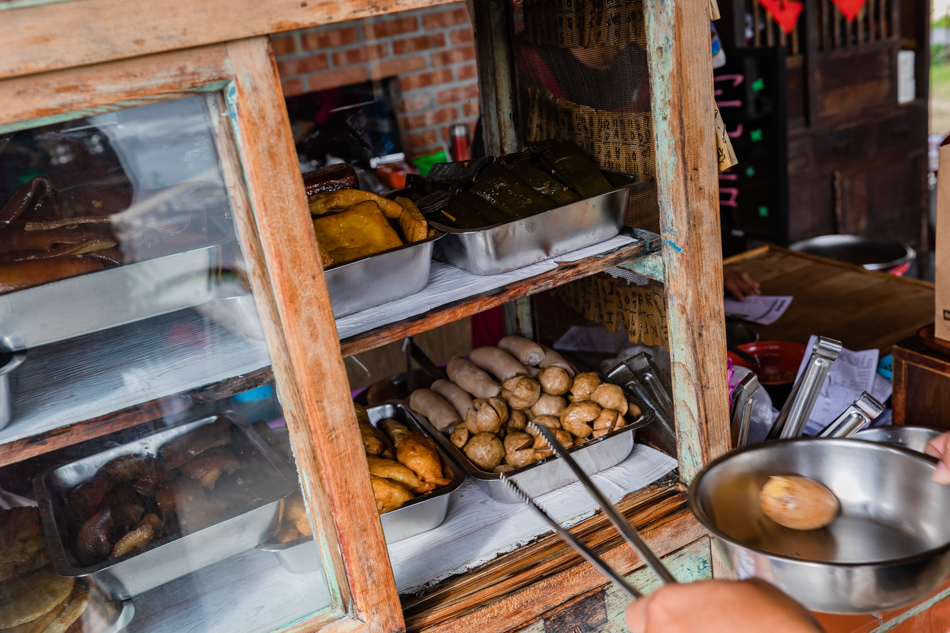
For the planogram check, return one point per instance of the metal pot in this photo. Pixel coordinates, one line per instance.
(869, 252)
(889, 546)
(8, 362)
(915, 438)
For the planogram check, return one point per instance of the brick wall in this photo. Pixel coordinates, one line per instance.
(430, 50)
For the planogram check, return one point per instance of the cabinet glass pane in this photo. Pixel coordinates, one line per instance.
(142, 416)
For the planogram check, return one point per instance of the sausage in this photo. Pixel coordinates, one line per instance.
(553, 358)
(457, 397)
(497, 362)
(525, 351)
(469, 377)
(437, 409)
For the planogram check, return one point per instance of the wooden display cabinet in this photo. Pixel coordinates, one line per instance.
(61, 60)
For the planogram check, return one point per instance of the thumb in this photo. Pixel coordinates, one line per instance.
(636, 615)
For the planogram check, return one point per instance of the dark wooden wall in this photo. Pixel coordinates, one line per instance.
(857, 160)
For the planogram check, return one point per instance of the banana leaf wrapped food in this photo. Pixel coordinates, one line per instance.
(491, 213)
(501, 188)
(458, 216)
(463, 173)
(540, 181)
(571, 165)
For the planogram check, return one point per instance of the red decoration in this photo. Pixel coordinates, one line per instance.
(849, 8)
(786, 12)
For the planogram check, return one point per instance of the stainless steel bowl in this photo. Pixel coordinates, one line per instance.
(915, 438)
(8, 362)
(889, 546)
(869, 252)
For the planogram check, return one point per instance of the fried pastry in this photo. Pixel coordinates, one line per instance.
(296, 512)
(359, 231)
(22, 546)
(136, 539)
(412, 224)
(390, 495)
(336, 201)
(419, 454)
(391, 469)
(27, 598)
(76, 605)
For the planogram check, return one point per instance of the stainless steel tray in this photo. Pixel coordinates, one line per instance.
(550, 473)
(96, 301)
(172, 557)
(297, 557)
(511, 245)
(379, 279)
(125, 611)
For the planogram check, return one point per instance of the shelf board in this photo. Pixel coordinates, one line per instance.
(102, 382)
(566, 271)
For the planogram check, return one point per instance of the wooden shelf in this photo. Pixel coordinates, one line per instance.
(92, 385)
(646, 245)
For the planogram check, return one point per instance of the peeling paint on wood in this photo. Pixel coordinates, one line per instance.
(650, 266)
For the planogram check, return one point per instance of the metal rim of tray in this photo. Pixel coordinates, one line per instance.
(439, 233)
(647, 416)
(700, 513)
(540, 216)
(60, 554)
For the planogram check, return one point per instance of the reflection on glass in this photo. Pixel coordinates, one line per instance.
(166, 482)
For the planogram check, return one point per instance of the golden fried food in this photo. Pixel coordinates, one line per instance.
(798, 503)
(27, 598)
(485, 451)
(337, 201)
(136, 539)
(34, 272)
(411, 222)
(76, 605)
(395, 429)
(389, 494)
(40, 624)
(296, 512)
(325, 257)
(357, 232)
(22, 546)
(375, 442)
(419, 454)
(391, 469)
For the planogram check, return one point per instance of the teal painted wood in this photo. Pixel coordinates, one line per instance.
(20, 4)
(650, 266)
(519, 318)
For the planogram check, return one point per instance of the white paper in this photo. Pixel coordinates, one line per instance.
(851, 374)
(448, 284)
(761, 309)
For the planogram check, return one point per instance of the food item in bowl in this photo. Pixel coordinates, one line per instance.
(527, 352)
(521, 392)
(25, 598)
(485, 450)
(330, 178)
(457, 397)
(391, 469)
(436, 408)
(412, 224)
(610, 396)
(497, 362)
(390, 495)
(798, 503)
(570, 164)
(22, 546)
(555, 380)
(471, 378)
(359, 231)
(417, 452)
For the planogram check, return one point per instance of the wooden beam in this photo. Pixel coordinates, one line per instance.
(68, 34)
(311, 378)
(687, 180)
(496, 80)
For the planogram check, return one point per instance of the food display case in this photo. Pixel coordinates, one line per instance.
(161, 282)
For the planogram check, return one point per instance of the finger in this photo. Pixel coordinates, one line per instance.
(636, 615)
(733, 288)
(937, 446)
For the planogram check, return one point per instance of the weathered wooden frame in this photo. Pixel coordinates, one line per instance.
(270, 208)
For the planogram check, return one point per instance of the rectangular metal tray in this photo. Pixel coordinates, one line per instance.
(379, 279)
(164, 560)
(96, 301)
(418, 515)
(550, 473)
(519, 243)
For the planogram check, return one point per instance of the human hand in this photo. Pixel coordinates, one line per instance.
(938, 448)
(719, 606)
(739, 284)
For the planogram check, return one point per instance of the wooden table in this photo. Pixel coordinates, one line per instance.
(862, 309)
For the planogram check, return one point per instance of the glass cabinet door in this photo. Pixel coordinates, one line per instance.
(146, 473)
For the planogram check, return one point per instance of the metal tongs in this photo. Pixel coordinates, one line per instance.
(862, 411)
(743, 396)
(627, 531)
(641, 375)
(793, 417)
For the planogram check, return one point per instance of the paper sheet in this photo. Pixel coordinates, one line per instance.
(448, 283)
(850, 374)
(761, 309)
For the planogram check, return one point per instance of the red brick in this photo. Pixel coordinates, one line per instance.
(445, 18)
(470, 108)
(414, 103)
(453, 56)
(337, 78)
(468, 71)
(292, 87)
(387, 28)
(360, 55)
(394, 67)
(417, 140)
(462, 36)
(328, 39)
(432, 117)
(457, 94)
(302, 65)
(425, 80)
(283, 45)
(415, 44)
